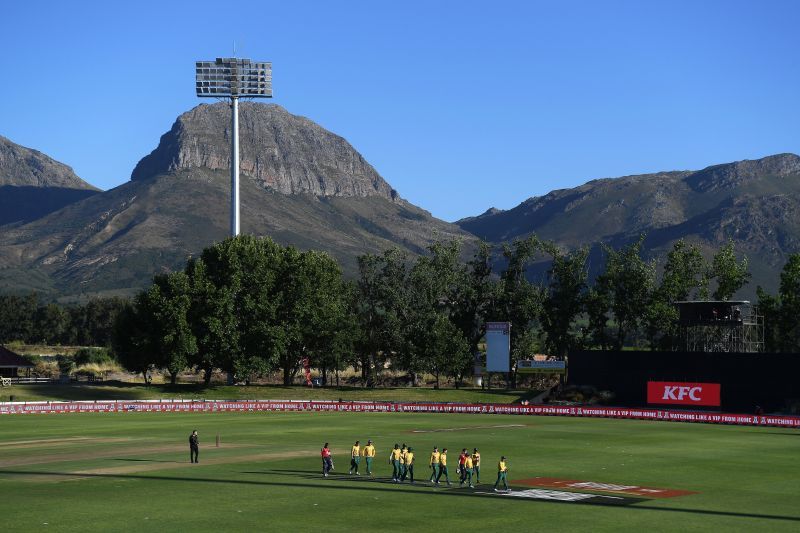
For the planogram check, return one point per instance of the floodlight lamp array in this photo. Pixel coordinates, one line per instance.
(233, 77)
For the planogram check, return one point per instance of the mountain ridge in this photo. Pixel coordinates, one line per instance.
(755, 203)
(324, 195)
(287, 153)
(21, 166)
(33, 184)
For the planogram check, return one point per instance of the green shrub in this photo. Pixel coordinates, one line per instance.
(65, 363)
(89, 356)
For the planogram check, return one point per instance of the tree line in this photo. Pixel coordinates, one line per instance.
(31, 320)
(249, 306)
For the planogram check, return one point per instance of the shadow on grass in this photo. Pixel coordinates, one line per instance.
(143, 460)
(334, 476)
(420, 488)
(285, 472)
(120, 390)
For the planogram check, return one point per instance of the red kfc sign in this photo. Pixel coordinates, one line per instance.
(661, 392)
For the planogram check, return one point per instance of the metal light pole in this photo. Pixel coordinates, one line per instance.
(233, 78)
(234, 166)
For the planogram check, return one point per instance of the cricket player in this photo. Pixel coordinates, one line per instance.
(355, 458)
(394, 460)
(476, 465)
(434, 465)
(408, 468)
(369, 453)
(403, 452)
(327, 460)
(467, 472)
(443, 467)
(194, 447)
(502, 472)
(462, 458)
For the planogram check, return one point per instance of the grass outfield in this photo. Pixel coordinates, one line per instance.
(130, 472)
(117, 390)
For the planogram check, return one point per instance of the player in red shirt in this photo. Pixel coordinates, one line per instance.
(462, 458)
(327, 460)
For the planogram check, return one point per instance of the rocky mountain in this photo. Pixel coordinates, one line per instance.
(32, 184)
(755, 203)
(300, 184)
(278, 151)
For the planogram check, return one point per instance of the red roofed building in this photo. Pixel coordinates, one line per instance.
(10, 363)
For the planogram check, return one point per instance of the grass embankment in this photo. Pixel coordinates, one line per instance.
(130, 472)
(42, 349)
(117, 390)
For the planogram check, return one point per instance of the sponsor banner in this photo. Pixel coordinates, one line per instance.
(541, 367)
(678, 393)
(188, 406)
(573, 484)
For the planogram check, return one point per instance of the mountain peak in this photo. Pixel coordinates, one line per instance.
(25, 167)
(278, 151)
(489, 212)
(729, 175)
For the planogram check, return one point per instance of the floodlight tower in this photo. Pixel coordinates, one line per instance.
(233, 78)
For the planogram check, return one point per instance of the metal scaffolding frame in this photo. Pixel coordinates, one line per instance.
(720, 326)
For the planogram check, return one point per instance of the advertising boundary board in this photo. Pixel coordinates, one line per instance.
(212, 406)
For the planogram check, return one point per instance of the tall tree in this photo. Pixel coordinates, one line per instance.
(309, 308)
(440, 347)
(166, 305)
(684, 273)
(597, 308)
(383, 289)
(781, 312)
(789, 318)
(684, 276)
(17, 317)
(51, 324)
(769, 306)
(100, 316)
(337, 348)
(730, 274)
(432, 341)
(245, 271)
(132, 341)
(626, 284)
(564, 297)
(213, 321)
(476, 297)
(519, 301)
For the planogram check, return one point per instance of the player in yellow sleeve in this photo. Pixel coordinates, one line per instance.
(408, 465)
(467, 472)
(394, 459)
(502, 472)
(403, 452)
(443, 467)
(434, 465)
(355, 458)
(476, 465)
(369, 453)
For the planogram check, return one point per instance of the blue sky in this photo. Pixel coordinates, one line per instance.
(460, 105)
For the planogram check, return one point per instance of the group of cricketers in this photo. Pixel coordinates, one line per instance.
(402, 460)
